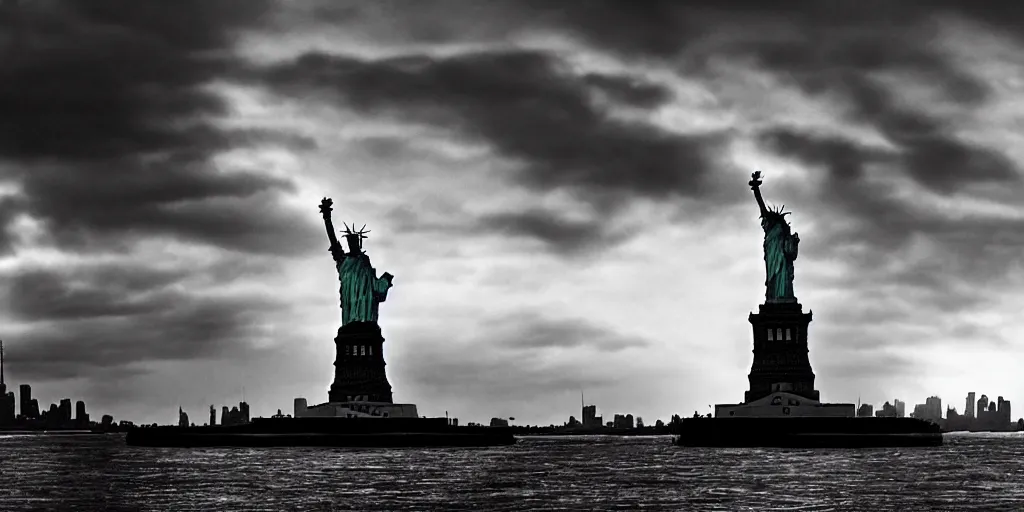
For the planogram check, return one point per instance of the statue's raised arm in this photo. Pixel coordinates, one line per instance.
(755, 185)
(325, 210)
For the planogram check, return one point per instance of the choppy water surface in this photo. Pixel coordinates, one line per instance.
(52, 472)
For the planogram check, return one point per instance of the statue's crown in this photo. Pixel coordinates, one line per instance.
(361, 232)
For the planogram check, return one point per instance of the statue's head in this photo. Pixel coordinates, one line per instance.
(355, 244)
(355, 238)
(775, 217)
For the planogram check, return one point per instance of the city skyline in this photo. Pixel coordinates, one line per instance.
(560, 193)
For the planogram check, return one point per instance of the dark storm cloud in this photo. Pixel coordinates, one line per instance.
(828, 50)
(82, 319)
(533, 110)
(109, 126)
(629, 90)
(530, 331)
(565, 236)
(110, 137)
(524, 103)
(869, 214)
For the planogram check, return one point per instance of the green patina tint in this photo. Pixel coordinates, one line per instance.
(361, 290)
(780, 249)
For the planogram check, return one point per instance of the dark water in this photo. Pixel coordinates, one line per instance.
(52, 472)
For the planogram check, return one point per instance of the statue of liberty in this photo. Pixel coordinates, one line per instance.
(780, 248)
(361, 290)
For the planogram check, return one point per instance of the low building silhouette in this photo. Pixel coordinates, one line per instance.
(888, 411)
(622, 421)
(236, 416)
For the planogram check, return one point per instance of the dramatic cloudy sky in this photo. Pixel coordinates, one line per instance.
(560, 189)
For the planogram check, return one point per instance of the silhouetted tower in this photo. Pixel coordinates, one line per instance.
(969, 408)
(3, 384)
(7, 411)
(213, 415)
(81, 417)
(25, 392)
(65, 410)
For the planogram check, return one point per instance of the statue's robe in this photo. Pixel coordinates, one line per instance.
(361, 289)
(780, 249)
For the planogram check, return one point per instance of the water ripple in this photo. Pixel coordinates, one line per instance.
(971, 472)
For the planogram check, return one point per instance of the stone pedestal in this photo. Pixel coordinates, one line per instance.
(359, 365)
(780, 352)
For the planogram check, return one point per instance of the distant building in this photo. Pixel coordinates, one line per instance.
(982, 405)
(81, 417)
(901, 408)
(182, 418)
(866, 410)
(64, 411)
(26, 402)
(7, 403)
(622, 421)
(590, 416)
(236, 416)
(572, 421)
(933, 405)
(213, 415)
(7, 406)
(888, 411)
(969, 409)
(499, 422)
(639, 422)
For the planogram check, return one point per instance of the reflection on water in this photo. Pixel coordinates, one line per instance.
(53, 472)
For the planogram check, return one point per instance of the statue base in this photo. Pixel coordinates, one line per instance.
(359, 365)
(781, 361)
